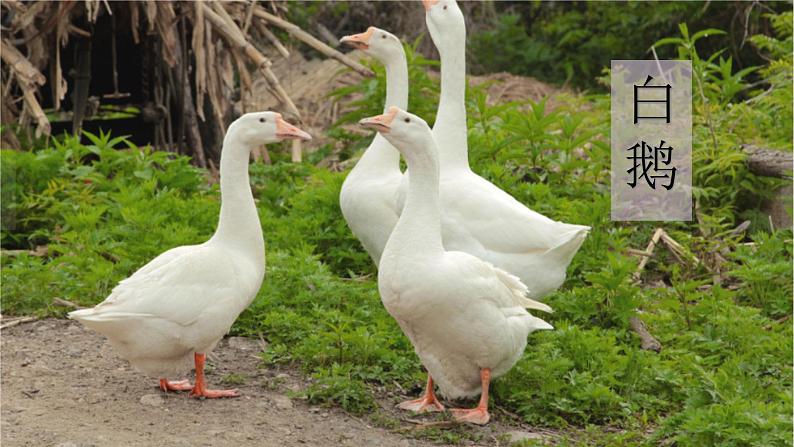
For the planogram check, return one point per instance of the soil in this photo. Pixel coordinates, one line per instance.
(62, 385)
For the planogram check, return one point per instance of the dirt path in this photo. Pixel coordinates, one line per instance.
(63, 386)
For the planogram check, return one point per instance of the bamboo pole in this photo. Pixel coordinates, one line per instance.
(265, 31)
(311, 41)
(25, 71)
(234, 36)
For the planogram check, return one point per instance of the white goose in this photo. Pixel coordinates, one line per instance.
(369, 193)
(465, 317)
(177, 307)
(478, 217)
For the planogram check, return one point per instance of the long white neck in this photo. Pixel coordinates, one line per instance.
(381, 156)
(419, 227)
(238, 226)
(450, 126)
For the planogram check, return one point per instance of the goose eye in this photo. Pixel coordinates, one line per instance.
(261, 120)
(408, 120)
(445, 6)
(383, 36)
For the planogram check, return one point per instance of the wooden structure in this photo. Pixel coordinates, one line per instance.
(179, 66)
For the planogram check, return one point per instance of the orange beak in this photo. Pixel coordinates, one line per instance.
(360, 41)
(381, 123)
(287, 131)
(429, 4)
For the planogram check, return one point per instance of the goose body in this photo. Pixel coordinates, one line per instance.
(466, 319)
(368, 198)
(478, 217)
(176, 308)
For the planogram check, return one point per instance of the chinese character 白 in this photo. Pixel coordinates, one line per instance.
(666, 100)
(648, 161)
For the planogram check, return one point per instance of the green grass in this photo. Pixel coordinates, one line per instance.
(723, 376)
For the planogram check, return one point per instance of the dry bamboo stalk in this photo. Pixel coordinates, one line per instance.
(649, 250)
(297, 151)
(26, 18)
(166, 19)
(634, 251)
(249, 13)
(677, 249)
(234, 36)
(81, 32)
(134, 21)
(33, 107)
(200, 53)
(26, 72)
(265, 31)
(151, 13)
(310, 40)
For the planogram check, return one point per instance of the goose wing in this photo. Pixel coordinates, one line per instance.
(177, 286)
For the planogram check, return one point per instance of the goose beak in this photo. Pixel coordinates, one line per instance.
(429, 4)
(359, 41)
(380, 123)
(287, 131)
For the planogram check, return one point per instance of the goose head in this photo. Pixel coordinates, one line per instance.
(257, 128)
(445, 22)
(406, 131)
(382, 45)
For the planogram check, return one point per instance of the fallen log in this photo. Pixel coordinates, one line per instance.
(768, 162)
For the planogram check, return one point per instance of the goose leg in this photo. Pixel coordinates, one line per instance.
(175, 385)
(426, 403)
(200, 388)
(478, 415)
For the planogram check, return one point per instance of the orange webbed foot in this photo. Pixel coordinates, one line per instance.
(175, 385)
(424, 404)
(213, 394)
(477, 416)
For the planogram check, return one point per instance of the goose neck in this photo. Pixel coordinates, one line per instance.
(450, 127)
(419, 227)
(396, 82)
(238, 225)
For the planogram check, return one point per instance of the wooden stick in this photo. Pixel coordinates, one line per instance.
(651, 246)
(297, 151)
(33, 107)
(676, 248)
(311, 41)
(18, 321)
(649, 342)
(25, 71)
(234, 36)
(265, 31)
(634, 251)
(65, 303)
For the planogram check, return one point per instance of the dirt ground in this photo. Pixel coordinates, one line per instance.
(63, 385)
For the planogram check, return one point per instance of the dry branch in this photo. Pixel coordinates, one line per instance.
(17, 321)
(24, 70)
(265, 31)
(34, 109)
(311, 41)
(65, 303)
(229, 30)
(648, 252)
